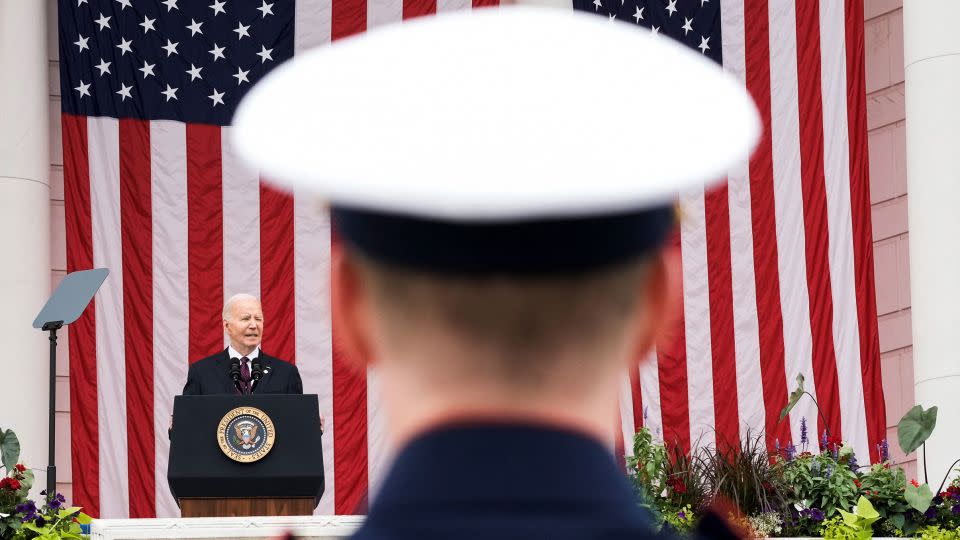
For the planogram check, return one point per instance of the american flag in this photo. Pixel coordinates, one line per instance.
(777, 266)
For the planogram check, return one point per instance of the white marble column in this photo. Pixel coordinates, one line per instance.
(932, 69)
(24, 226)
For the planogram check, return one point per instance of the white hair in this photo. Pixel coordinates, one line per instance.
(228, 305)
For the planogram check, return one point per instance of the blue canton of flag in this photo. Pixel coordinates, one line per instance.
(695, 23)
(185, 60)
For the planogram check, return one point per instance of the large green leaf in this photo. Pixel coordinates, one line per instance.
(9, 448)
(866, 511)
(794, 398)
(30, 526)
(66, 512)
(919, 498)
(915, 427)
(848, 518)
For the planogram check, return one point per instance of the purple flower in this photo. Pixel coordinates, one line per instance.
(823, 440)
(803, 432)
(28, 509)
(791, 452)
(777, 445)
(54, 504)
(956, 509)
(853, 462)
(682, 515)
(816, 514)
(930, 513)
(829, 470)
(39, 522)
(884, 450)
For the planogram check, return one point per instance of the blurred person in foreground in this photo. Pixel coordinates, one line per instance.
(500, 257)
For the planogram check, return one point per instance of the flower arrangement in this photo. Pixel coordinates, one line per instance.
(20, 518)
(789, 491)
(784, 495)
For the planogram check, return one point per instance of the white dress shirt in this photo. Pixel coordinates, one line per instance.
(232, 353)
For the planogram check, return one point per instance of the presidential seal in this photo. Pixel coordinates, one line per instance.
(246, 434)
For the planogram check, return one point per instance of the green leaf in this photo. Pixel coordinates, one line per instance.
(845, 451)
(896, 520)
(68, 511)
(794, 398)
(848, 518)
(915, 427)
(919, 498)
(9, 448)
(83, 519)
(868, 514)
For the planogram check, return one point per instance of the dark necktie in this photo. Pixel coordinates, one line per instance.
(245, 375)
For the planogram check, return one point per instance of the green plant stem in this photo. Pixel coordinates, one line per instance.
(925, 479)
(826, 426)
(949, 470)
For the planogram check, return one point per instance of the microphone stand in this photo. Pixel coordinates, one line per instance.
(235, 374)
(256, 373)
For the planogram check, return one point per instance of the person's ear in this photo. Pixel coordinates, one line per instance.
(660, 300)
(349, 310)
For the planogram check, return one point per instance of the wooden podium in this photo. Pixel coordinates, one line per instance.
(251, 506)
(239, 456)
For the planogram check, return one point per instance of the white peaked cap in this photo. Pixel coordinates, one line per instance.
(498, 114)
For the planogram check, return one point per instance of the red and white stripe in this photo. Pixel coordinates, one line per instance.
(776, 270)
(171, 312)
(776, 263)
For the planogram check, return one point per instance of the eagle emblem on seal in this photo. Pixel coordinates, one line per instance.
(246, 434)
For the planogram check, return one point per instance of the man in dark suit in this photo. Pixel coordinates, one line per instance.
(502, 257)
(243, 323)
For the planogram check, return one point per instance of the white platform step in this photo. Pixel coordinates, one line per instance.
(247, 528)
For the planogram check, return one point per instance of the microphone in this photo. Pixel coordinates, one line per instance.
(256, 373)
(235, 373)
(235, 369)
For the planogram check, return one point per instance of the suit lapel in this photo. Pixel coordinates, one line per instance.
(267, 363)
